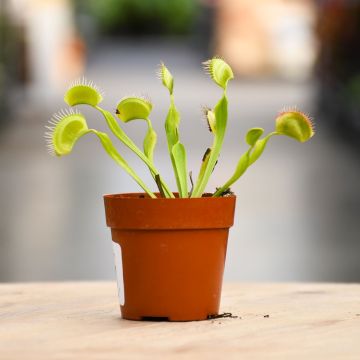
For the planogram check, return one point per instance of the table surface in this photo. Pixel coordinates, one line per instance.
(275, 321)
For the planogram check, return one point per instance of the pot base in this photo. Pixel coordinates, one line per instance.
(181, 318)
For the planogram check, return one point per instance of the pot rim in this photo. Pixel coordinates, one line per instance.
(132, 211)
(144, 196)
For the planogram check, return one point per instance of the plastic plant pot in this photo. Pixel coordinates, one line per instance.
(173, 254)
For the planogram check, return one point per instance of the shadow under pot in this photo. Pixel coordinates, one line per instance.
(170, 254)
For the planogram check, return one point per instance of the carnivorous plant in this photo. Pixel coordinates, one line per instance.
(68, 126)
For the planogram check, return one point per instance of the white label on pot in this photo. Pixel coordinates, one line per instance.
(119, 272)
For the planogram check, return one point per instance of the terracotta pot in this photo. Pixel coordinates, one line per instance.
(173, 254)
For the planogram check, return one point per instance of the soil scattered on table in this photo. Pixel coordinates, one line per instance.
(222, 316)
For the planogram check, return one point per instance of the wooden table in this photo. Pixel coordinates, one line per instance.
(275, 321)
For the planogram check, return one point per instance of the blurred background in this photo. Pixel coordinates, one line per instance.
(298, 209)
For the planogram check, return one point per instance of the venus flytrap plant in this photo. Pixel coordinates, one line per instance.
(295, 124)
(176, 148)
(139, 108)
(83, 92)
(291, 123)
(68, 126)
(221, 73)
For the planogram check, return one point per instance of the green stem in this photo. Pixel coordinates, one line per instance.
(246, 160)
(204, 163)
(176, 149)
(179, 155)
(150, 151)
(241, 167)
(121, 135)
(112, 152)
(221, 122)
(149, 146)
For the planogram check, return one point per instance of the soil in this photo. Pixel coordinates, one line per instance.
(222, 316)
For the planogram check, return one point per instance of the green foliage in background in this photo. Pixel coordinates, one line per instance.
(126, 17)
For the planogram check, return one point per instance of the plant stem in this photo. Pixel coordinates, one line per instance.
(221, 121)
(121, 135)
(112, 152)
(176, 149)
(246, 160)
